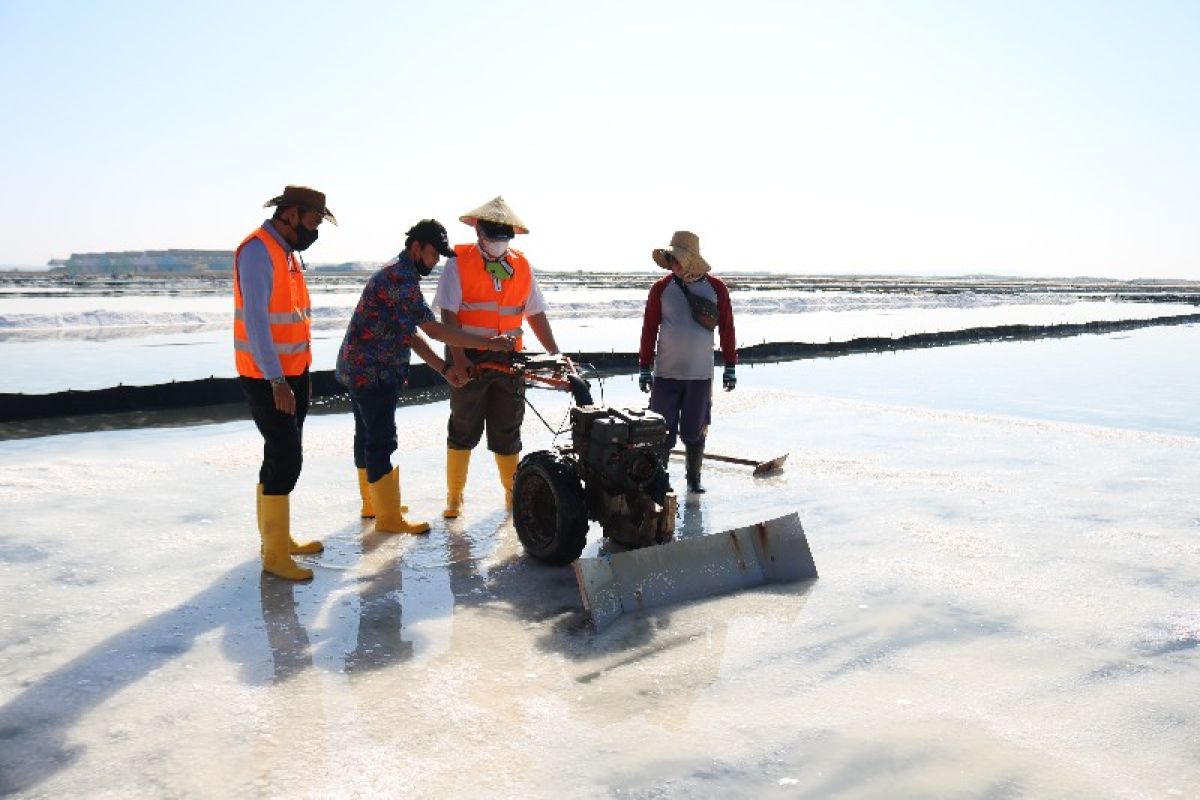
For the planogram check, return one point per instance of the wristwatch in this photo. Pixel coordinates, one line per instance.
(278, 381)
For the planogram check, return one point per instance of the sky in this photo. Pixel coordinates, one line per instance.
(1046, 138)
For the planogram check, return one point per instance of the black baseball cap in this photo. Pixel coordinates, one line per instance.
(430, 231)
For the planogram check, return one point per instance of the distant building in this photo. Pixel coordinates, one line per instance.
(146, 262)
(345, 268)
(174, 262)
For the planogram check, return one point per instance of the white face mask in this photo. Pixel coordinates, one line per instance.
(493, 248)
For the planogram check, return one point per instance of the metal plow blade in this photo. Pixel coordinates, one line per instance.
(775, 551)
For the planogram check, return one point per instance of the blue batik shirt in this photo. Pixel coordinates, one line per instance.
(378, 341)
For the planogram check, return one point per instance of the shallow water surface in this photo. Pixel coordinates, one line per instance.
(1142, 379)
(84, 342)
(1009, 605)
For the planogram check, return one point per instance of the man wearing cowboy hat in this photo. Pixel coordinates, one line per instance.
(682, 311)
(272, 343)
(488, 288)
(373, 364)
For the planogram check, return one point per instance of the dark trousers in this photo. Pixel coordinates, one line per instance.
(685, 405)
(375, 429)
(492, 400)
(283, 453)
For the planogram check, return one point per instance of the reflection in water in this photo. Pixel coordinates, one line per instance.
(180, 334)
(380, 621)
(653, 665)
(466, 553)
(692, 523)
(293, 713)
(290, 648)
(111, 333)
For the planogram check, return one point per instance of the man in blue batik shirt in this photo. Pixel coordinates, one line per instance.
(373, 364)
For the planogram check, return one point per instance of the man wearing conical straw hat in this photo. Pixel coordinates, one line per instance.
(488, 288)
(682, 311)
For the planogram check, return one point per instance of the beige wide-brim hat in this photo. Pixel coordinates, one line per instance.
(497, 211)
(685, 248)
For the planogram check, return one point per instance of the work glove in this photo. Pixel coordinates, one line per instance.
(729, 377)
(644, 379)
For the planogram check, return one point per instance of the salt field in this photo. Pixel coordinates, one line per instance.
(938, 540)
(1008, 604)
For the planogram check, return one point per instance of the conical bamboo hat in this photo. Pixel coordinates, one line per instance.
(495, 210)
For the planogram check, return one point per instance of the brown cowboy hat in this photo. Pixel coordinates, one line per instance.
(685, 248)
(497, 211)
(305, 198)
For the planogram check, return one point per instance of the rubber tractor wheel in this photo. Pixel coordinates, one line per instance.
(550, 508)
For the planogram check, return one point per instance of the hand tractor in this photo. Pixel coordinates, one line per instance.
(614, 471)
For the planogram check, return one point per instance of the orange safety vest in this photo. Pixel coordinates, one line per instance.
(289, 312)
(484, 310)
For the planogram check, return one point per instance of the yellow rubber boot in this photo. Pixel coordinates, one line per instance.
(457, 462)
(294, 547)
(368, 510)
(385, 496)
(276, 537)
(507, 465)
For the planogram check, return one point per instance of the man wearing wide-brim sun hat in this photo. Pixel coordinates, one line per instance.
(488, 288)
(272, 345)
(682, 312)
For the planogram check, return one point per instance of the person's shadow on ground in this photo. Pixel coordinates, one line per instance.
(34, 725)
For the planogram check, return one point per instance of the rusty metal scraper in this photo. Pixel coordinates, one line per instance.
(775, 551)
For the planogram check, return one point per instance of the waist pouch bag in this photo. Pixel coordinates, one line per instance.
(704, 311)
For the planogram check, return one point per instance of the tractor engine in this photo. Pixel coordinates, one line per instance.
(614, 471)
(621, 456)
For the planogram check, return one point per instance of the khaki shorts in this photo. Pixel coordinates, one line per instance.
(493, 401)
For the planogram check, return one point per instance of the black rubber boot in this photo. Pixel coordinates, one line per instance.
(695, 458)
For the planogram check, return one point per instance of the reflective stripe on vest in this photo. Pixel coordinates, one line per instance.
(281, 349)
(484, 310)
(289, 312)
(502, 310)
(517, 332)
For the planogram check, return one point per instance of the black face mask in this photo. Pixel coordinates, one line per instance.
(305, 237)
(419, 265)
